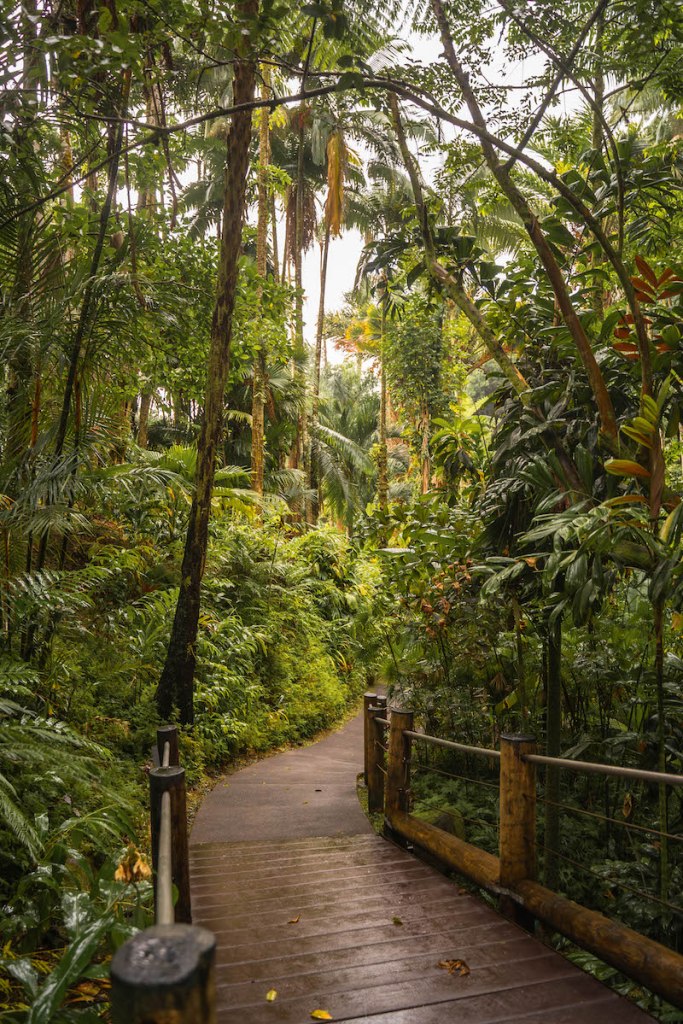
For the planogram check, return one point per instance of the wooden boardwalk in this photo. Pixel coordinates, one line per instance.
(353, 925)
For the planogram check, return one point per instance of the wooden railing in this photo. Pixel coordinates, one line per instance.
(389, 739)
(167, 972)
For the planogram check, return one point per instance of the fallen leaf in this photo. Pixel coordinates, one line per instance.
(454, 967)
(271, 995)
(321, 1015)
(397, 921)
(294, 920)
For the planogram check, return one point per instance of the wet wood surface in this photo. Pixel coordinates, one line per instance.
(357, 927)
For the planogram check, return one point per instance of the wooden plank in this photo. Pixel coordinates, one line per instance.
(411, 919)
(438, 946)
(437, 987)
(389, 971)
(560, 1003)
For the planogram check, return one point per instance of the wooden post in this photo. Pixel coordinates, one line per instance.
(168, 734)
(376, 754)
(165, 973)
(517, 821)
(172, 781)
(369, 700)
(397, 793)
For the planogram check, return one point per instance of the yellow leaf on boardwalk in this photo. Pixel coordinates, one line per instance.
(321, 1015)
(271, 995)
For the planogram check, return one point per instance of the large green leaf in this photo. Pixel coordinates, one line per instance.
(69, 970)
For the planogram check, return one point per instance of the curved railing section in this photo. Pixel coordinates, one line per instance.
(390, 744)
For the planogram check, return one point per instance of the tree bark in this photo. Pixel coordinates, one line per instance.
(258, 399)
(143, 419)
(176, 685)
(313, 509)
(383, 455)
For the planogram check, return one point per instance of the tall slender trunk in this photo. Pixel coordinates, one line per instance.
(20, 362)
(597, 139)
(383, 455)
(176, 685)
(312, 469)
(258, 401)
(276, 253)
(143, 419)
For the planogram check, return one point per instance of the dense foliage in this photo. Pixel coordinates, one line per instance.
(202, 519)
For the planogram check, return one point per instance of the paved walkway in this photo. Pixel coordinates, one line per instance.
(308, 903)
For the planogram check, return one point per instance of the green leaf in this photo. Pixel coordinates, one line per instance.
(68, 970)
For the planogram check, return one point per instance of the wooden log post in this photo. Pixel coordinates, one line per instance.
(376, 756)
(168, 734)
(369, 700)
(517, 822)
(165, 973)
(172, 781)
(397, 793)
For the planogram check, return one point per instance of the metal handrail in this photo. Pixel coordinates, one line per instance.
(165, 913)
(616, 771)
(463, 748)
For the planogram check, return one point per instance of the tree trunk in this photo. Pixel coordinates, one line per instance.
(176, 685)
(143, 419)
(258, 400)
(314, 506)
(382, 455)
(20, 362)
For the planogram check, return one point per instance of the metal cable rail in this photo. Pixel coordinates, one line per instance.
(613, 821)
(451, 775)
(616, 881)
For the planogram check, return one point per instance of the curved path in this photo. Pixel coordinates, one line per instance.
(307, 902)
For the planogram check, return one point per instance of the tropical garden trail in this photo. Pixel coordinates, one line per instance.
(314, 912)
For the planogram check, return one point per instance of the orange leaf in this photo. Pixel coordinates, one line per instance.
(646, 270)
(643, 286)
(321, 1015)
(294, 920)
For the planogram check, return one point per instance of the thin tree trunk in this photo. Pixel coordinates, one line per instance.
(276, 255)
(176, 685)
(313, 482)
(143, 418)
(20, 361)
(258, 402)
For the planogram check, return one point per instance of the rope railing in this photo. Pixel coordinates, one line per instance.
(511, 875)
(167, 972)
